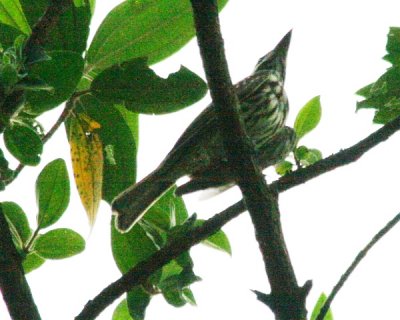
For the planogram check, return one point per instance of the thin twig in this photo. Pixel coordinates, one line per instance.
(354, 264)
(338, 159)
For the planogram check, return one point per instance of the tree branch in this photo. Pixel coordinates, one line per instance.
(287, 299)
(41, 30)
(361, 255)
(14, 287)
(339, 159)
(139, 273)
(160, 258)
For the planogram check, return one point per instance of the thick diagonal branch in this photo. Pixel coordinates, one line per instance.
(14, 287)
(162, 257)
(138, 274)
(287, 299)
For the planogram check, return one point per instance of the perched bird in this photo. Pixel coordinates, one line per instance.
(199, 152)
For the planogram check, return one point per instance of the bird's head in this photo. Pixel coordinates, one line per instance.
(276, 59)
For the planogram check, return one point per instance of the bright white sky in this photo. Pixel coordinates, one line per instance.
(336, 49)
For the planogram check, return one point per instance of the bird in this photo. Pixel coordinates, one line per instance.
(199, 152)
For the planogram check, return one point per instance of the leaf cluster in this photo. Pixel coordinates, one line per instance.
(105, 84)
(307, 120)
(383, 95)
(52, 197)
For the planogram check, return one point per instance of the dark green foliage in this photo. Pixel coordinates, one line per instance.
(140, 247)
(384, 94)
(138, 300)
(5, 172)
(218, 240)
(37, 80)
(137, 87)
(62, 72)
(306, 156)
(59, 244)
(121, 312)
(72, 29)
(8, 34)
(52, 193)
(152, 28)
(32, 262)
(144, 239)
(283, 167)
(18, 221)
(23, 143)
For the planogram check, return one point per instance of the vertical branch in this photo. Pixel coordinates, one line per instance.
(14, 287)
(287, 299)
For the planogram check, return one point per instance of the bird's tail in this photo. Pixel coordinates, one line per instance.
(130, 206)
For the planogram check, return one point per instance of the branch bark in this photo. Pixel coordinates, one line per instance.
(40, 32)
(287, 299)
(14, 287)
(159, 259)
(138, 274)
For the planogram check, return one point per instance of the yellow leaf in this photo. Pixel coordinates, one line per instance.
(87, 162)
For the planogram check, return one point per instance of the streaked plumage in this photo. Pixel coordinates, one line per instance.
(199, 151)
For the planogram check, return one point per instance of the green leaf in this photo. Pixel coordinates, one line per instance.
(308, 117)
(218, 240)
(52, 192)
(32, 262)
(71, 30)
(62, 72)
(8, 75)
(138, 300)
(313, 156)
(8, 35)
(393, 46)
(174, 298)
(131, 248)
(365, 91)
(188, 296)
(307, 156)
(383, 95)
(23, 143)
(179, 281)
(140, 90)
(321, 301)
(11, 14)
(17, 217)
(119, 133)
(284, 167)
(121, 312)
(59, 244)
(151, 28)
(167, 212)
(33, 10)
